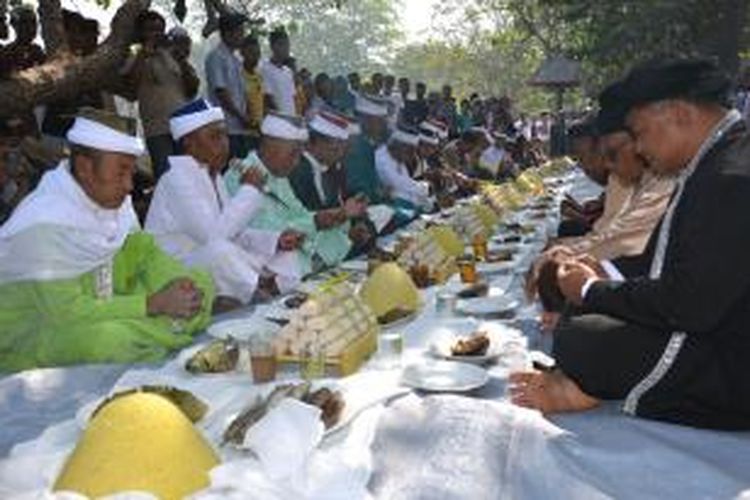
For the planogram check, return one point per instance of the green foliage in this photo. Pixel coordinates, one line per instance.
(335, 36)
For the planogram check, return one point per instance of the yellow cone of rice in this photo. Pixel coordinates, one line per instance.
(488, 216)
(389, 287)
(139, 442)
(447, 239)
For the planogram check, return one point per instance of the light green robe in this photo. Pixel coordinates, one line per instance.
(330, 245)
(62, 322)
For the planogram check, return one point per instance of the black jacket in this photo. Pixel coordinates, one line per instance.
(703, 291)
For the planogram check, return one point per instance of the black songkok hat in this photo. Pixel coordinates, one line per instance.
(583, 128)
(613, 107)
(697, 80)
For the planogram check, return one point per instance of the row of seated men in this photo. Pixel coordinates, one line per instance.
(80, 282)
(647, 292)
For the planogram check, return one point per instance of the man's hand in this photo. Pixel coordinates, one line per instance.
(180, 299)
(360, 234)
(254, 177)
(594, 264)
(290, 240)
(326, 219)
(355, 207)
(571, 276)
(549, 321)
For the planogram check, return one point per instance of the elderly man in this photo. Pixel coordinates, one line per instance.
(629, 230)
(391, 163)
(78, 282)
(670, 336)
(318, 179)
(192, 215)
(316, 239)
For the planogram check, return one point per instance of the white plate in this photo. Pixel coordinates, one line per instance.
(242, 329)
(484, 306)
(445, 336)
(444, 376)
(357, 266)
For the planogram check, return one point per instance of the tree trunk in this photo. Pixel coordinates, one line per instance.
(66, 76)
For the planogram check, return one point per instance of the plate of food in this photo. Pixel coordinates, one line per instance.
(498, 306)
(221, 355)
(476, 348)
(444, 376)
(330, 401)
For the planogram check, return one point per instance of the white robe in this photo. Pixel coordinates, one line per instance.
(194, 219)
(85, 235)
(395, 177)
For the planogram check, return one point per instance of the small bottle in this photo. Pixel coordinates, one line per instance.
(314, 362)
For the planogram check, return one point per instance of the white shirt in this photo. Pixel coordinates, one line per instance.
(317, 171)
(193, 218)
(395, 177)
(279, 83)
(190, 209)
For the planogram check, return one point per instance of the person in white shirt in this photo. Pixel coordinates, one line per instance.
(391, 160)
(278, 77)
(192, 216)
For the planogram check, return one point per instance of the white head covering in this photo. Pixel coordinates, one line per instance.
(369, 106)
(331, 125)
(428, 136)
(436, 128)
(290, 128)
(192, 116)
(404, 137)
(88, 131)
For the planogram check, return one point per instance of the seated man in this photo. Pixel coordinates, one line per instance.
(361, 176)
(670, 336)
(192, 216)
(578, 218)
(318, 239)
(391, 161)
(78, 282)
(318, 179)
(628, 231)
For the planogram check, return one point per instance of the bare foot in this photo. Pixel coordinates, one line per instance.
(549, 392)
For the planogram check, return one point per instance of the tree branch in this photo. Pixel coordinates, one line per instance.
(68, 76)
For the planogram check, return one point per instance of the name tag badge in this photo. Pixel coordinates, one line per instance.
(104, 282)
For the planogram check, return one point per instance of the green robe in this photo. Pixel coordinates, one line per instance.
(283, 210)
(62, 322)
(361, 176)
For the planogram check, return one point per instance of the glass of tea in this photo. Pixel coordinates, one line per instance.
(479, 245)
(467, 268)
(262, 359)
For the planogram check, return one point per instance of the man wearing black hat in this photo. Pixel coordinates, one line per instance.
(671, 337)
